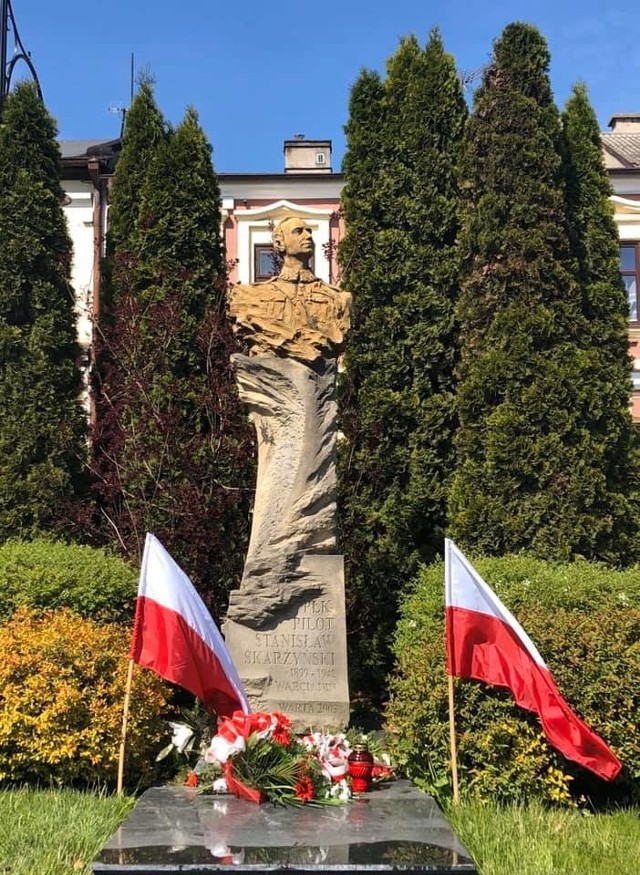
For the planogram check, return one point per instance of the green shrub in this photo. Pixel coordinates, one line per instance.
(585, 620)
(52, 574)
(62, 686)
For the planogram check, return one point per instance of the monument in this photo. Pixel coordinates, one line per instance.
(286, 622)
(285, 625)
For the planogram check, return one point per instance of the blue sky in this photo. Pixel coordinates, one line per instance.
(260, 72)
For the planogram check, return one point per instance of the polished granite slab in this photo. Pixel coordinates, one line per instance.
(175, 829)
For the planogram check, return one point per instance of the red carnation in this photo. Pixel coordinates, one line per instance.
(281, 736)
(282, 719)
(191, 779)
(281, 732)
(304, 789)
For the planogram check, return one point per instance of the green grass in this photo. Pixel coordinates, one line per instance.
(55, 832)
(533, 840)
(59, 832)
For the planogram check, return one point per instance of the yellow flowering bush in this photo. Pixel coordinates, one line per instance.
(510, 754)
(62, 685)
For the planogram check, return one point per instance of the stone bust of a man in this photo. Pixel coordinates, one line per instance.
(294, 314)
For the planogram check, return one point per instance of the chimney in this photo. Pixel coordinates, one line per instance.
(625, 123)
(307, 156)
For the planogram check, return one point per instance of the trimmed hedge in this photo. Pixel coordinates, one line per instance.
(62, 685)
(51, 574)
(585, 620)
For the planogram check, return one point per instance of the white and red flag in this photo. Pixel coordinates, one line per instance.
(485, 642)
(175, 635)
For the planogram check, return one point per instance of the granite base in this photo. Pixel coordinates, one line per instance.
(395, 827)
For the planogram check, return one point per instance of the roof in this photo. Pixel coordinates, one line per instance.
(308, 175)
(633, 117)
(83, 148)
(624, 148)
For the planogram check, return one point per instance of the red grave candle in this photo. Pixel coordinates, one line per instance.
(360, 768)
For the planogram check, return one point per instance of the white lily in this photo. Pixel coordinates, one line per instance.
(182, 735)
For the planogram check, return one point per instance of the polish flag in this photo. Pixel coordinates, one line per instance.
(486, 643)
(175, 636)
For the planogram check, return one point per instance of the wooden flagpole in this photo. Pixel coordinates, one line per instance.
(453, 745)
(125, 719)
(450, 662)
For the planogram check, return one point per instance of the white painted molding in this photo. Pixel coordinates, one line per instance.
(253, 229)
(281, 209)
(628, 206)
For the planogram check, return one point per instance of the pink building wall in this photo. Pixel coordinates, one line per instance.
(234, 216)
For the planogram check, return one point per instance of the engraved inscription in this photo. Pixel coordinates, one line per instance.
(302, 651)
(299, 664)
(330, 708)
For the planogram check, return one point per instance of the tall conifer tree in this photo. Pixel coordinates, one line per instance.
(606, 308)
(399, 260)
(42, 432)
(530, 441)
(145, 129)
(172, 448)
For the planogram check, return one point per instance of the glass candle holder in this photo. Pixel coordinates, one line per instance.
(360, 768)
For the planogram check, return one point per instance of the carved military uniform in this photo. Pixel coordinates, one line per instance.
(294, 314)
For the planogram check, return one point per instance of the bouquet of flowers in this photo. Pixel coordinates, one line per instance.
(261, 760)
(255, 756)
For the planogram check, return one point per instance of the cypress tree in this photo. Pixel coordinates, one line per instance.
(399, 260)
(42, 434)
(145, 128)
(594, 232)
(172, 449)
(605, 306)
(362, 168)
(529, 474)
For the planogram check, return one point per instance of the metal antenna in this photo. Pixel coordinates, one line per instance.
(119, 108)
(8, 23)
(468, 77)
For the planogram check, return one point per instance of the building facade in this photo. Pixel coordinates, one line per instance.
(252, 203)
(622, 159)
(88, 167)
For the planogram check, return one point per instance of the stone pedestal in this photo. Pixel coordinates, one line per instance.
(285, 627)
(297, 664)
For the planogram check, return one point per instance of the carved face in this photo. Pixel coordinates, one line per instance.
(295, 238)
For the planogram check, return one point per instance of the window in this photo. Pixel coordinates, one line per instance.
(265, 262)
(630, 270)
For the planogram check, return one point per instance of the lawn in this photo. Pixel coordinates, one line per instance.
(533, 840)
(59, 832)
(55, 832)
